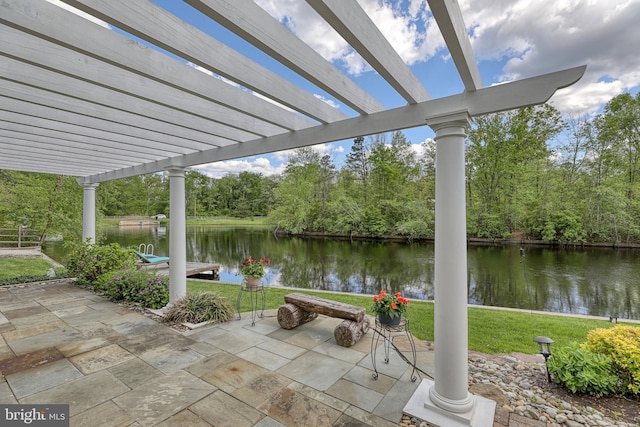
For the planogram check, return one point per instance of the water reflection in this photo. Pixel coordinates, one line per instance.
(600, 282)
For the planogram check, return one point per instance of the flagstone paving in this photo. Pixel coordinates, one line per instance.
(114, 366)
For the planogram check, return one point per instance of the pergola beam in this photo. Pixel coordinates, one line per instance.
(155, 25)
(449, 19)
(46, 104)
(99, 78)
(252, 23)
(47, 118)
(521, 93)
(113, 48)
(355, 26)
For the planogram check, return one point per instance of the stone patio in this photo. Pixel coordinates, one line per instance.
(64, 344)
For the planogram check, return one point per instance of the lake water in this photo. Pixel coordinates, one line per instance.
(601, 282)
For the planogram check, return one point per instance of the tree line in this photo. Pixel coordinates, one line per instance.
(521, 181)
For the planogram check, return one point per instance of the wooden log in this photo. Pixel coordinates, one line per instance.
(326, 307)
(349, 332)
(290, 316)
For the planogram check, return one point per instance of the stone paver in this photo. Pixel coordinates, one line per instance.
(34, 380)
(134, 373)
(299, 370)
(30, 360)
(356, 394)
(223, 410)
(176, 360)
(162, 397)
(292, 408)
(107, 414)
(257, 391)
(233, 375)
(114, 366)
(263, 358)
(101, 358)
(82, 393)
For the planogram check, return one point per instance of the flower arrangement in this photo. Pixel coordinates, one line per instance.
(254, 267)
(391, 304)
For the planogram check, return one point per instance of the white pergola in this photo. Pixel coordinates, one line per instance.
(81, 99)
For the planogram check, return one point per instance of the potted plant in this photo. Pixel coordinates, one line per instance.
(389, 307)
(253, 269)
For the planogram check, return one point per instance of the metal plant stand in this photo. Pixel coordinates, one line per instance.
(254, 292)
(387, 333)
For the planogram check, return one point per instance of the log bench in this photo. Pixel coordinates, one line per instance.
(301, 308)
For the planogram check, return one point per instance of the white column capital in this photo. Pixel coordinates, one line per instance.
(176, 171)
(89, 185)
(460, 119)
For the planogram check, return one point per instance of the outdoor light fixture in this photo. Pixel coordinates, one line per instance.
(544, 343)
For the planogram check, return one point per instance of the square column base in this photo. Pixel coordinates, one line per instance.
(420, 406)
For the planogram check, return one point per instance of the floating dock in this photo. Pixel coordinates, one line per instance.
(139, 223)
(195, 270)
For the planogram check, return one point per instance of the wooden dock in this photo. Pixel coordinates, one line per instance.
(139, 223)
(195, 270)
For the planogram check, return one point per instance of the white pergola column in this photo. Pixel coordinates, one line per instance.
(446, 401)
(450, 284)
(89, 213)
(177, 235)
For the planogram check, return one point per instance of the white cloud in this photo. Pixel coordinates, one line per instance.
(536, 38)
(409, 30)
(512, 39)
(330, 102)
(260, 165)
(274, 164)
(521, 38)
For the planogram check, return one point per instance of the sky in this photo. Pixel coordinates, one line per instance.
(511, 39)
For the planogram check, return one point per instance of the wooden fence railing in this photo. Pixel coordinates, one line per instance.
(19, 237)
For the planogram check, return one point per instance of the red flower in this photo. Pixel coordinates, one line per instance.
(392, 304)
(254, 267)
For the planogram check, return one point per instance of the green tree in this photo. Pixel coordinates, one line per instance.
(394, 171)
(618, 129)
(507, 160)
(357, 169)
(195, 186)
(49, 204)
(297, 205)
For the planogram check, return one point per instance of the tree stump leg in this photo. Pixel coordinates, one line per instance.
(349, 332)
(290, 316)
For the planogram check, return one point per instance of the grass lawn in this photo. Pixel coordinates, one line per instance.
(490, 331)
(17, 267)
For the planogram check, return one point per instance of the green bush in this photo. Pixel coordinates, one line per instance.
(200, 307)
(88, 262)
(622, 344)
(146, 288)
(582, 371)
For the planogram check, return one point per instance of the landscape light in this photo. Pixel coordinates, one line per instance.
(544, 343)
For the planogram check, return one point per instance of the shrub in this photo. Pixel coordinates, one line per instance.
(88, 262)
(28, 279)
(200, 307)
(146, 288)
(622, 344)
(582, 371)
